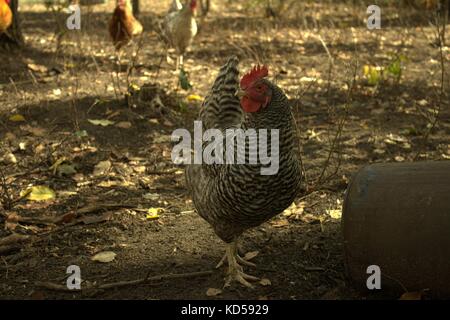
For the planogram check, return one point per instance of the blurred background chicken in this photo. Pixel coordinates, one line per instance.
(6, 15)
(123, 26)
(175, 6)
(179, 27)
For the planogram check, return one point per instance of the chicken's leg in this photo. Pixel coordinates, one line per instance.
(180, 62)
(235, 271)
(239, 259)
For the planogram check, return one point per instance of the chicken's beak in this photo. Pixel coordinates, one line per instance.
(240, 93)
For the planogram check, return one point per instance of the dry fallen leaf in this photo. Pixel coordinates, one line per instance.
(422, 102)
(37, 68)
(66, 170)
(250, 255)
(280, 223)
(22, 146)
(115, 183)
(102, 167)
(335, 213)
(151, 196)
(37, 131)
(124, 125)
(194, 97)
(265, 282)
(103, 123)
(38, 193)
(162, 139)
(153, 213)
(17, 118)
(415, 295)
(9, 158)
(310, 218)
(105, 256)
(212, 292)
(139, 169)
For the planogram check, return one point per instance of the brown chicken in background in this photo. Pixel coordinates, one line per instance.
(6, 15)
(123, 26)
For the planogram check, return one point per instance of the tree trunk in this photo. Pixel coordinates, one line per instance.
(14, 33)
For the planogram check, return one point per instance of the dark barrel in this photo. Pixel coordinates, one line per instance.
(397, 216)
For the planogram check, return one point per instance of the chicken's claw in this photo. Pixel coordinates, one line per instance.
(241, 277)
(235, 271)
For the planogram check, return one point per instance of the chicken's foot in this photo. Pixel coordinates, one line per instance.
(235, 270)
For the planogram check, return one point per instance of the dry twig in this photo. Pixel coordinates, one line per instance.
(119, 284)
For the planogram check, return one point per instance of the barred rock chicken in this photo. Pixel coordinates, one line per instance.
(5, 15)
(179, 28)
(236, 197)
(123, 26)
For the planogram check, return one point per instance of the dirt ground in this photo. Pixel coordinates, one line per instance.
(62, 79)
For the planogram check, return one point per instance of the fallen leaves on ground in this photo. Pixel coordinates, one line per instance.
(102, 167)
(280, 223)
(36, 131)
(17, 118)
(335, 213)
(123, 125)
(151, 196)
(101, 122)
(265, 282)
(212, 292)
(194, 97)
(153, 213)
(38, 193)
(104, 257)
(66, 170)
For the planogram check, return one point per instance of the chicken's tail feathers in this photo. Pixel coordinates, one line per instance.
(221, 108)
(228, 77)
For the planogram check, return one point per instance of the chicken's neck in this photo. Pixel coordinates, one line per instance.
(277, 115)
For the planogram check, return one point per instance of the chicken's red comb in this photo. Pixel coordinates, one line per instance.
(257, 73)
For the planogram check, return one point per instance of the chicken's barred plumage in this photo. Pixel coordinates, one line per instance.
(235, 197)
(221, 108)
